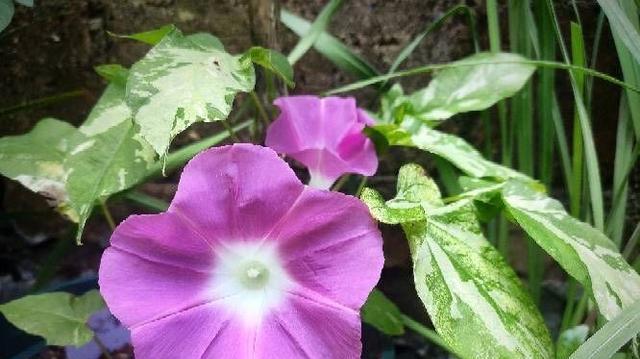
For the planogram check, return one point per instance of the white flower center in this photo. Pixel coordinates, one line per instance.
(254, 275)
(248, 279)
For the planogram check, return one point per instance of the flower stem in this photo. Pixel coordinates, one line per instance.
(425, 332)
(107, 214)
(340, 183)
(261, 110)
(232, 133)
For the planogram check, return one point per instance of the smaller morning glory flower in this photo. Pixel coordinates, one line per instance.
(324, 134)
(110, 332)
(247, 262)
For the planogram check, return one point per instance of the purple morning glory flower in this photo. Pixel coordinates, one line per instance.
(324, 134)
(246, 263)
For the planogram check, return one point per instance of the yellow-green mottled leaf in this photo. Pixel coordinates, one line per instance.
(60, 318)
(36, 159)
(182, 81)
(471, 87)
(382, 314)
(475, 300)
(583, 251)
(413, 133)
(111, 157)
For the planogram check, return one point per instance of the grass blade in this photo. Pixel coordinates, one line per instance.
(622, 160)
(622, 26)
(330, 47)
(318, 26)
(593, 168)
(630, 67)
(612, 336)
(578, 58)
(408, 50)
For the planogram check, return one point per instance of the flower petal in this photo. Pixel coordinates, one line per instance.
(236, 192)
(308, 328)
(154, 258)
(164, 238)
(205, 331)
(341, 254)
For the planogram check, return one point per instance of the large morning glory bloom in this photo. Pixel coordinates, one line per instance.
(324, 134)
(246, 263)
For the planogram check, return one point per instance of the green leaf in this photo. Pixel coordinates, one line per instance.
(58, 317)
(471, 88)
(151, 37)
(583, 251)
(475, 300)
(272, 61)
(612, 336)
(6, 13)
(413, 133)
(330, 47)
(319, 24)
(622, 26)
(382, 314)
(112, 156)
(180, 82)
(36, 160)
(114, 73)
(570, 340)
(206, 41)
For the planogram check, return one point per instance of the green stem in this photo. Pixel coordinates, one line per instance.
(149, 202)
(571, 301)
(578, 314)
(41, 102)
(107, 214)
(232, 132)
(425, 332)
(263, 114)
(436, 67)
(181, 156)
(341, 182)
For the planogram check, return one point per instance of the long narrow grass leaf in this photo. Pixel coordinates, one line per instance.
(612, 336)
(330, 47)
(622, 160)
(318, 26)
(435, 67)
(622, 26)
(408, 50)
(591, 158)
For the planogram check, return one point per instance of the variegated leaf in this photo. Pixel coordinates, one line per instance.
(36, 160)
(583, 251)
(412, 133)
(475, 83)
(475, 300)
(112, 156)
(181, 81)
